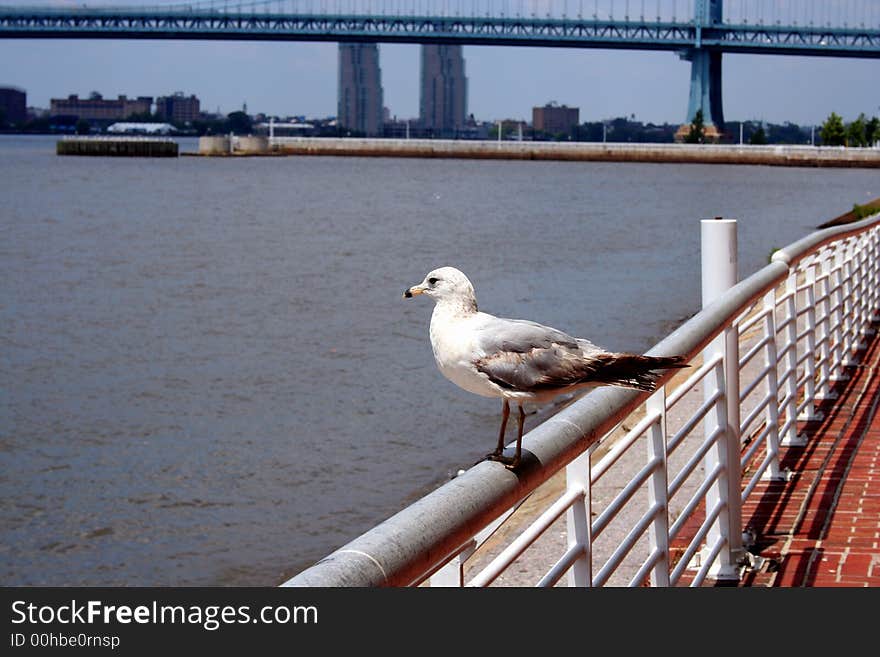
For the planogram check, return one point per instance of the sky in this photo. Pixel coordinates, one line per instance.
(291, 78)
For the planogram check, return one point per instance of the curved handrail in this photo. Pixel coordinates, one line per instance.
(407, 547)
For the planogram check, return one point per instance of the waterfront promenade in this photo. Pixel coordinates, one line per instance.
(771, 155)
(822, 528)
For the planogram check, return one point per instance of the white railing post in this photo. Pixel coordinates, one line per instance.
(858, 292)
(578, 520)
(849, 346)
(838, 355)
(865, 288)
(809, 414)
(771, 362)
(658, 489)
(874, 279)
(719, 273)
(790, 436)
(824, 392)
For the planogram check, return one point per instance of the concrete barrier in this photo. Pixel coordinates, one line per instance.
(808, 156)
(214, 145)
(252, 145)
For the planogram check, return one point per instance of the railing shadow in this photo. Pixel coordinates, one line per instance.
(786, 510)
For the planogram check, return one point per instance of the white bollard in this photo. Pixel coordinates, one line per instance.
(719, 263)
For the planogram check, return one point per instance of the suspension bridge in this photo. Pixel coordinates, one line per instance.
(700, 31)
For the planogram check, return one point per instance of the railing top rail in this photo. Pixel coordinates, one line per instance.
(413, 542)
(795, 252)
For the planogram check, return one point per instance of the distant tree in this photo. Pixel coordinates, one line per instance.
(758, 136)
(833, 132)
(2, 117)
(855, 132)
(697, 132)
(872, 131)
(239, 123)
(83, 127)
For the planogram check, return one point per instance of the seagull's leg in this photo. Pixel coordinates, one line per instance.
(505, 413)
(518, 454)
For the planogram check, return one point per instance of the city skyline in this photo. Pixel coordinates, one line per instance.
(503, 82)
(300, 78)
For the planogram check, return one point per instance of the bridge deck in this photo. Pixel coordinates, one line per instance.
(822, 528)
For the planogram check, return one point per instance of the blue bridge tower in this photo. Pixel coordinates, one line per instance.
(706, 66)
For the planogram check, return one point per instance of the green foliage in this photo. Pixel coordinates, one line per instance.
(83, 127)
(855, 132)
(872, 131)
(758, 136)
(833, 132)
(239, 123)
(863, 211)
(697, 132)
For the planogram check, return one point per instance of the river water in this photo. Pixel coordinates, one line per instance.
(209, 376)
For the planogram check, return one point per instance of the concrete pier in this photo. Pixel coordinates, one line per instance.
(214, 145)
(117, 146)
(807, 156)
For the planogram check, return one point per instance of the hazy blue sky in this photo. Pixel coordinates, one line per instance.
(300, 78)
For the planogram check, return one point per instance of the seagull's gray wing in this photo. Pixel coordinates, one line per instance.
(530, 357)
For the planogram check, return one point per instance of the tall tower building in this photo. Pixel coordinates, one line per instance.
(443, 101)
(359, 105)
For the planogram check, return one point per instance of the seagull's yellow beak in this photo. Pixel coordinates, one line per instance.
(414, 291)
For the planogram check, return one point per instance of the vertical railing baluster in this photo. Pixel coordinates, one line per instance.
(658, 489)
(849, 347)
(874, 280)
(825, 337)
(771, 415)
(874, 274)
(838, 355)
(578, 520)
(809, 414)
(791, 437)
(865, 310)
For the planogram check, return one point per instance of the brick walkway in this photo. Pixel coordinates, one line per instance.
(822, 528)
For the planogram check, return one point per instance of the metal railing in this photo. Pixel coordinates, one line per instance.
(764, 352)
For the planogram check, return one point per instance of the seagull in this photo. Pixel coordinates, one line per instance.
(519, 360)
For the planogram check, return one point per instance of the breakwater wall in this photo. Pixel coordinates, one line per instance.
(807, 156)
(117, 146)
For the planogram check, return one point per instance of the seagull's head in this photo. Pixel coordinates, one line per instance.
(445, 284)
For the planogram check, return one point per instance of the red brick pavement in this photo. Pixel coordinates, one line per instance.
(822, 527)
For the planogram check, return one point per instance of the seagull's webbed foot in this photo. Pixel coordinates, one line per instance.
(510, 462)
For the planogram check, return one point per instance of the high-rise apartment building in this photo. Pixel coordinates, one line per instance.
(13, 105)
(443, 99)
(359, 104)
(178, 108)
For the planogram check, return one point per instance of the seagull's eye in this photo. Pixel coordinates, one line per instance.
(433, 281)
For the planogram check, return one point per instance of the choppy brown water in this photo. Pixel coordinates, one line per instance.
(209, 375)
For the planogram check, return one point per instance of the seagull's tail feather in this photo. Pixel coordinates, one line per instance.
(634, 371)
